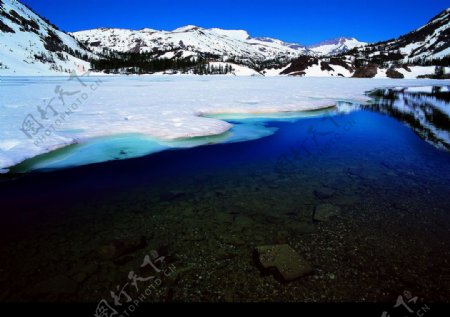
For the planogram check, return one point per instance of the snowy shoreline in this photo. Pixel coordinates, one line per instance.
(314, 71)
(160, 108)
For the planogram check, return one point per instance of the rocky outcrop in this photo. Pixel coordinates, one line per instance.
(368, 71)
(393, 73)
(298, 67)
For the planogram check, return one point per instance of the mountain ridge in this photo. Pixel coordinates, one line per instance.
(190, 41)
(30, 44)
(345, 43)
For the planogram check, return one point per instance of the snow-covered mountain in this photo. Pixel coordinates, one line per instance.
(190, 41)
(429, 42)
(335, 46)
(31, 45)
(409, 56)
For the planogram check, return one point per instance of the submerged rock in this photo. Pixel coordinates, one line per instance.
(282, 261)
(325, 212)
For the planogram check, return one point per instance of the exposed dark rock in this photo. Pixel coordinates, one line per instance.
(282, 261)
(340, 62)
(324, 66)
(434, 76)
(25, 24)
(298, 66)
(392, 73)
(5, 28)
(405, 67)
(94, 44)
(53, 43)
(368, 71)
(44, 58)
(299, 74)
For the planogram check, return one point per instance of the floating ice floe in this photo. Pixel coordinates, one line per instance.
(424, 89)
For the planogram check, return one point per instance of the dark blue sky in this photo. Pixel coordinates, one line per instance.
(302, 21)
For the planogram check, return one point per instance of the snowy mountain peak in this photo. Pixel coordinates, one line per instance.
(335, 41)
(187, 28)
(147, 30)
(336, 46)
(234, 34)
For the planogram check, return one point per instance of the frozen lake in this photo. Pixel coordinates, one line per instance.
(123, 117)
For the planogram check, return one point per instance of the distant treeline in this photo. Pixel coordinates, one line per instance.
(147, 63)
(142, 62)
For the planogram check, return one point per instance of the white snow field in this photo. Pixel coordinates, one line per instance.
(122, 117)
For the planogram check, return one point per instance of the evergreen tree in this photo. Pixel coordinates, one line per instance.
(439, 71)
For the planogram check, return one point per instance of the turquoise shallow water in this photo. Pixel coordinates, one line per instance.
(206, 208)
(126, 146)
